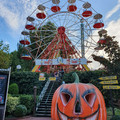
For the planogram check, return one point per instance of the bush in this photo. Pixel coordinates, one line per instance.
(28, 101)
(20, 110)
(116, 117)
(26, 81)
(84, 76)
(13, 89)
(11, 104)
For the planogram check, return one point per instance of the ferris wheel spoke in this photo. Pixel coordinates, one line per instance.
(73, 19)
(73, 35)
(73, 24)
(67, 20)
(52, 19)
(58, 31)
(41, 39)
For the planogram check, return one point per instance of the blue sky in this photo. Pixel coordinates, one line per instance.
(13, 15)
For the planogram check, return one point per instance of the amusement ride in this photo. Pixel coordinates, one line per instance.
(59, 35)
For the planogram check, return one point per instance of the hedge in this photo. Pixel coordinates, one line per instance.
(11, 104)
(85, 77)
(14, 100)
(26, 81)
(28, 101)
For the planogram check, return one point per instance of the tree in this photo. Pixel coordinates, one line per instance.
(26, 65)
(42, 37)
(4, 55)
(112, 50)
(16, 60)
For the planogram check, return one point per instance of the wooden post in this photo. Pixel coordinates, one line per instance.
(35, 93)
(111, 96)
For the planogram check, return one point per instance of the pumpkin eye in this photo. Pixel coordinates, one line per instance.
(90, 98)
(65, 98)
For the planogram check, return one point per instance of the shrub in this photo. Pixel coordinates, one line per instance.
(28, 101)
(26, 81)
(20, 110)
(13, 89)
(11, 104)
(116, 117)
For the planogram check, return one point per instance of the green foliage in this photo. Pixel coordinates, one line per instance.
(112, 51)
(47, 36)
(4, 59)
(28, 101)
(116, 117)
(11, 104)
(20, 110)
(4, 47)
(85, 77)
(109, 111)
(13, 89)
(15, 59)
(26, 81)
(14, 100)
(4, 55)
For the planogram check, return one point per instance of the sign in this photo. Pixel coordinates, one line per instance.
(42, 78)
(60, 60)
(109, 82)
(52, 78)
(111, 87)
(108, 78)
(3, 85)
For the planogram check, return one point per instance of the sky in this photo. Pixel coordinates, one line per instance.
(13, 14)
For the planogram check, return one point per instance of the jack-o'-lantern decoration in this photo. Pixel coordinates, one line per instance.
(78, 101)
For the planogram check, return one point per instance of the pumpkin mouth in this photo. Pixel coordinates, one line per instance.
(93, 116)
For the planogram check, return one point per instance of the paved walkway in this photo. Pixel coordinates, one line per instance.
(31, 118)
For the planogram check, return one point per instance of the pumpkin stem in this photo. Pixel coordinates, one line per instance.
(76, 77)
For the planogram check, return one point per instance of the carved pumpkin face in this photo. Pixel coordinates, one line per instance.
(78, 101)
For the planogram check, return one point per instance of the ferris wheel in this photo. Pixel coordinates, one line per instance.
(62, 30)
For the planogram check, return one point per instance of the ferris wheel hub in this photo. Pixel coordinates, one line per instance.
(61, 30)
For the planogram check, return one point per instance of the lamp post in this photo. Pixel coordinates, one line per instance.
(18, 67)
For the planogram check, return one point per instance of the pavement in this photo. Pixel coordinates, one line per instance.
(30, 118)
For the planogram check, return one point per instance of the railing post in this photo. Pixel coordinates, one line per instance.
(35, 93)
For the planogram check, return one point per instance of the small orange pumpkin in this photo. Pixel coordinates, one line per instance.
(78, 101)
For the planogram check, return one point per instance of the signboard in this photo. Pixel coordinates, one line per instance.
(108, 78)
(42, 78)
(52, 78)
(111, 87)
(3, 86)
(41, 75)
(60, 60)
(109, 82)
(4, 83)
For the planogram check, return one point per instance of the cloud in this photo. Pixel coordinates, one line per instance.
(114, 10)
(15, 13)
(113, 29)
(10, 18)
(6, 43)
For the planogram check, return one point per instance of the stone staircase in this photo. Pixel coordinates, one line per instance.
(44, 106)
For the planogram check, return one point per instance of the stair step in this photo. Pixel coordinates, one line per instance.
(43, 115)
(43, 112)
(44, 102)
(44, 109)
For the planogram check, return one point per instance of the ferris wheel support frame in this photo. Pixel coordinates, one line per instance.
(82, 39)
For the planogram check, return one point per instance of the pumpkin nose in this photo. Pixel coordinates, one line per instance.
(77, 107)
